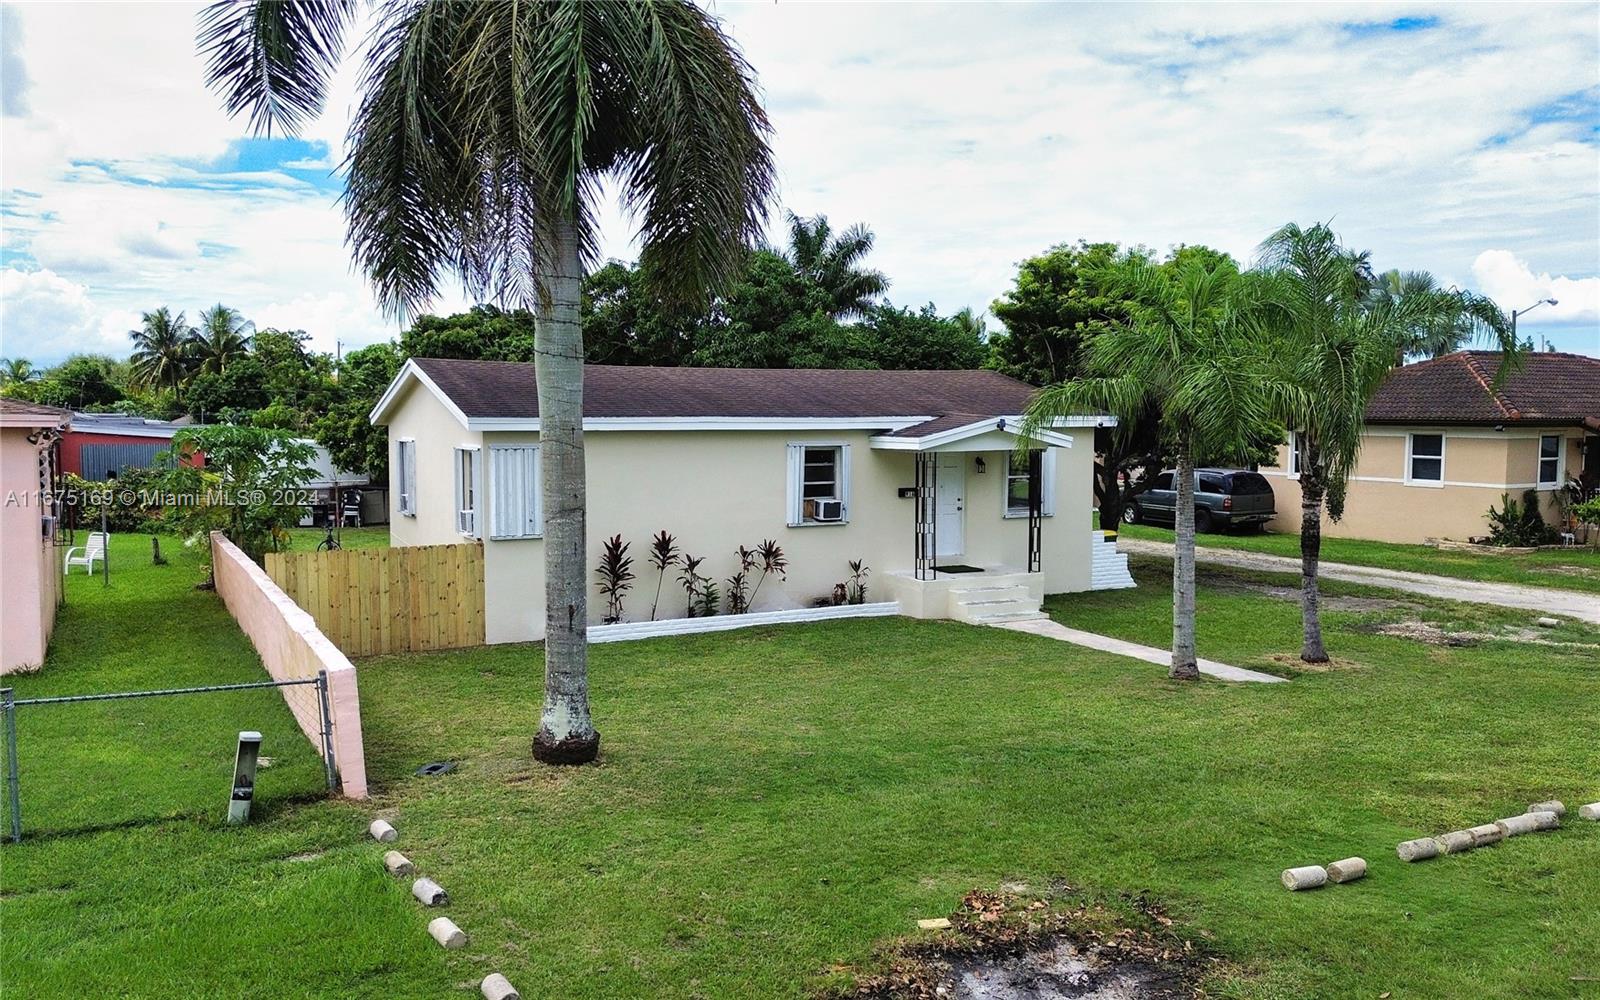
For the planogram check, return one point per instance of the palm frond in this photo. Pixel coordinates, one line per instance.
(273, 59)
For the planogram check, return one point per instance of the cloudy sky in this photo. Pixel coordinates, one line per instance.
(1464, 140)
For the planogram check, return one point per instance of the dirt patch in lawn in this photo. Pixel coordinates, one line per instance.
(1016, 946)
(1293, 662)
(1584, 571)
(1434, 635)
(1328, 602)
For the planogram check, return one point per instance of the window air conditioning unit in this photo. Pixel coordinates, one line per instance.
(830, 510)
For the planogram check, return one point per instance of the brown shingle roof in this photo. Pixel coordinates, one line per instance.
(21, 412)
(1549, 388)
(487, 389)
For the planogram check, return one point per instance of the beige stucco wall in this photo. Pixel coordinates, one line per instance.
(30, 580)
(716, 490)
(419, 416)
(1480, 465)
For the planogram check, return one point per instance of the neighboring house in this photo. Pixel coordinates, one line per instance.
(911, 471)
(1443, 444)
(333, 487)
(101, 443)
(30, 581)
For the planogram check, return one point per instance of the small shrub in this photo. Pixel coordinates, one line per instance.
(1519, 523)
(663, 553)
(772, 560)
(695, 586)
(856, 592)
(616, 576)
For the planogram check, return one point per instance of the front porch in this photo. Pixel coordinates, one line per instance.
(978, 596)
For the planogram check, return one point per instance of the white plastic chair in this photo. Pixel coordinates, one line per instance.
(93, 552)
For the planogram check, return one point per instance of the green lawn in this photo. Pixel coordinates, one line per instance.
(371, 537)
(1564, 569)
(776, 803)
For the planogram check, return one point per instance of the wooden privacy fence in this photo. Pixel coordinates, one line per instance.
(390, 600)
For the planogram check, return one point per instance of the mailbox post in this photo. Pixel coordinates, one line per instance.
(244, 777)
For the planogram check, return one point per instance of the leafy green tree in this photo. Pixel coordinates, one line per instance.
(1186, 352)
(222, 337)
(483, 333)
(345, 428)
(479, 149)
(240, 388)
(82, 382)
(832, 262)
(241, 487)
(1058, 304)
(894, 337)
(625, 322)
(161, 350)
(1337, 331)
(772, 316)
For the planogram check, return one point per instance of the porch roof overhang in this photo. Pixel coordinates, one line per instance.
(974, 432)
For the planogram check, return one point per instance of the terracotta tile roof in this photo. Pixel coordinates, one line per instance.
(19, 412)
(487, 389)
(1549, 388)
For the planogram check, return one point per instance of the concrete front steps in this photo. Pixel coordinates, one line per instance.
(994, 600)
(1108, 568)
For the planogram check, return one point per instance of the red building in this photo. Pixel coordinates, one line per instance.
(100, 443)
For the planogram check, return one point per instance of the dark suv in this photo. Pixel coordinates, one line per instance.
(1223, 498)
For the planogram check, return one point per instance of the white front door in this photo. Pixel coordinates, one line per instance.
(950, 516)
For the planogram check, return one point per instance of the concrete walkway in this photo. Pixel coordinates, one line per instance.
(1545, 600)
(1161, 657)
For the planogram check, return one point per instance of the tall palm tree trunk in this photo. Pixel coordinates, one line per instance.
(1312, 492)
(566, 732)
(1184, 666)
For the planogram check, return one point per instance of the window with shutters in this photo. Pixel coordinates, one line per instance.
(819, 484)
(1017, 484)
(515, 509)
(466, 478)
(405, 457)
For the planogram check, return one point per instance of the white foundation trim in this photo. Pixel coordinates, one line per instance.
(624, 631)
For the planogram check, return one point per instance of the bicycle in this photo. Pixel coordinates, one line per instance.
(328, 544)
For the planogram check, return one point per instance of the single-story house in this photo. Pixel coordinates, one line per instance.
(913, 472)
(100, 443)
(1443, 444)
(30, 583)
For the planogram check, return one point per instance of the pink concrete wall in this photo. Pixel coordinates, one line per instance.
(292, 648)
(30, 577)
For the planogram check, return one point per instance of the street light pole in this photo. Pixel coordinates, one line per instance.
(1518, 312)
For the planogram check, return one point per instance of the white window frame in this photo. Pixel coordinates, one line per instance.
(1294, 455)
(795, 494)
(469, 517)
(533, 526)
(1560, 460)
(405, 460)
(1047, 485)
(1410, 454)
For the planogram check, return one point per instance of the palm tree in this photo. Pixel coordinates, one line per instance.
(1337, 333)
(1187, 355)
(1443, 320)
(161, 350)
(832, 262)
(16, 370)
(972, 323)
(222, 336)
(484, 135)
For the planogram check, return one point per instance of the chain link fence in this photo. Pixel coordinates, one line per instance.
(308, 695)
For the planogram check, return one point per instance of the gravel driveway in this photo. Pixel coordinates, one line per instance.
(1572, 604)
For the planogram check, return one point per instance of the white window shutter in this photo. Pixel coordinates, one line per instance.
(477, 493)
(514, 480)
(797, 463)
(456, 478)
(411, 476)
(844, 479)
(1047, 472)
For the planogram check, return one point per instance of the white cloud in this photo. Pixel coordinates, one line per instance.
(1508, 280)
(967, 136)
(44, 315)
